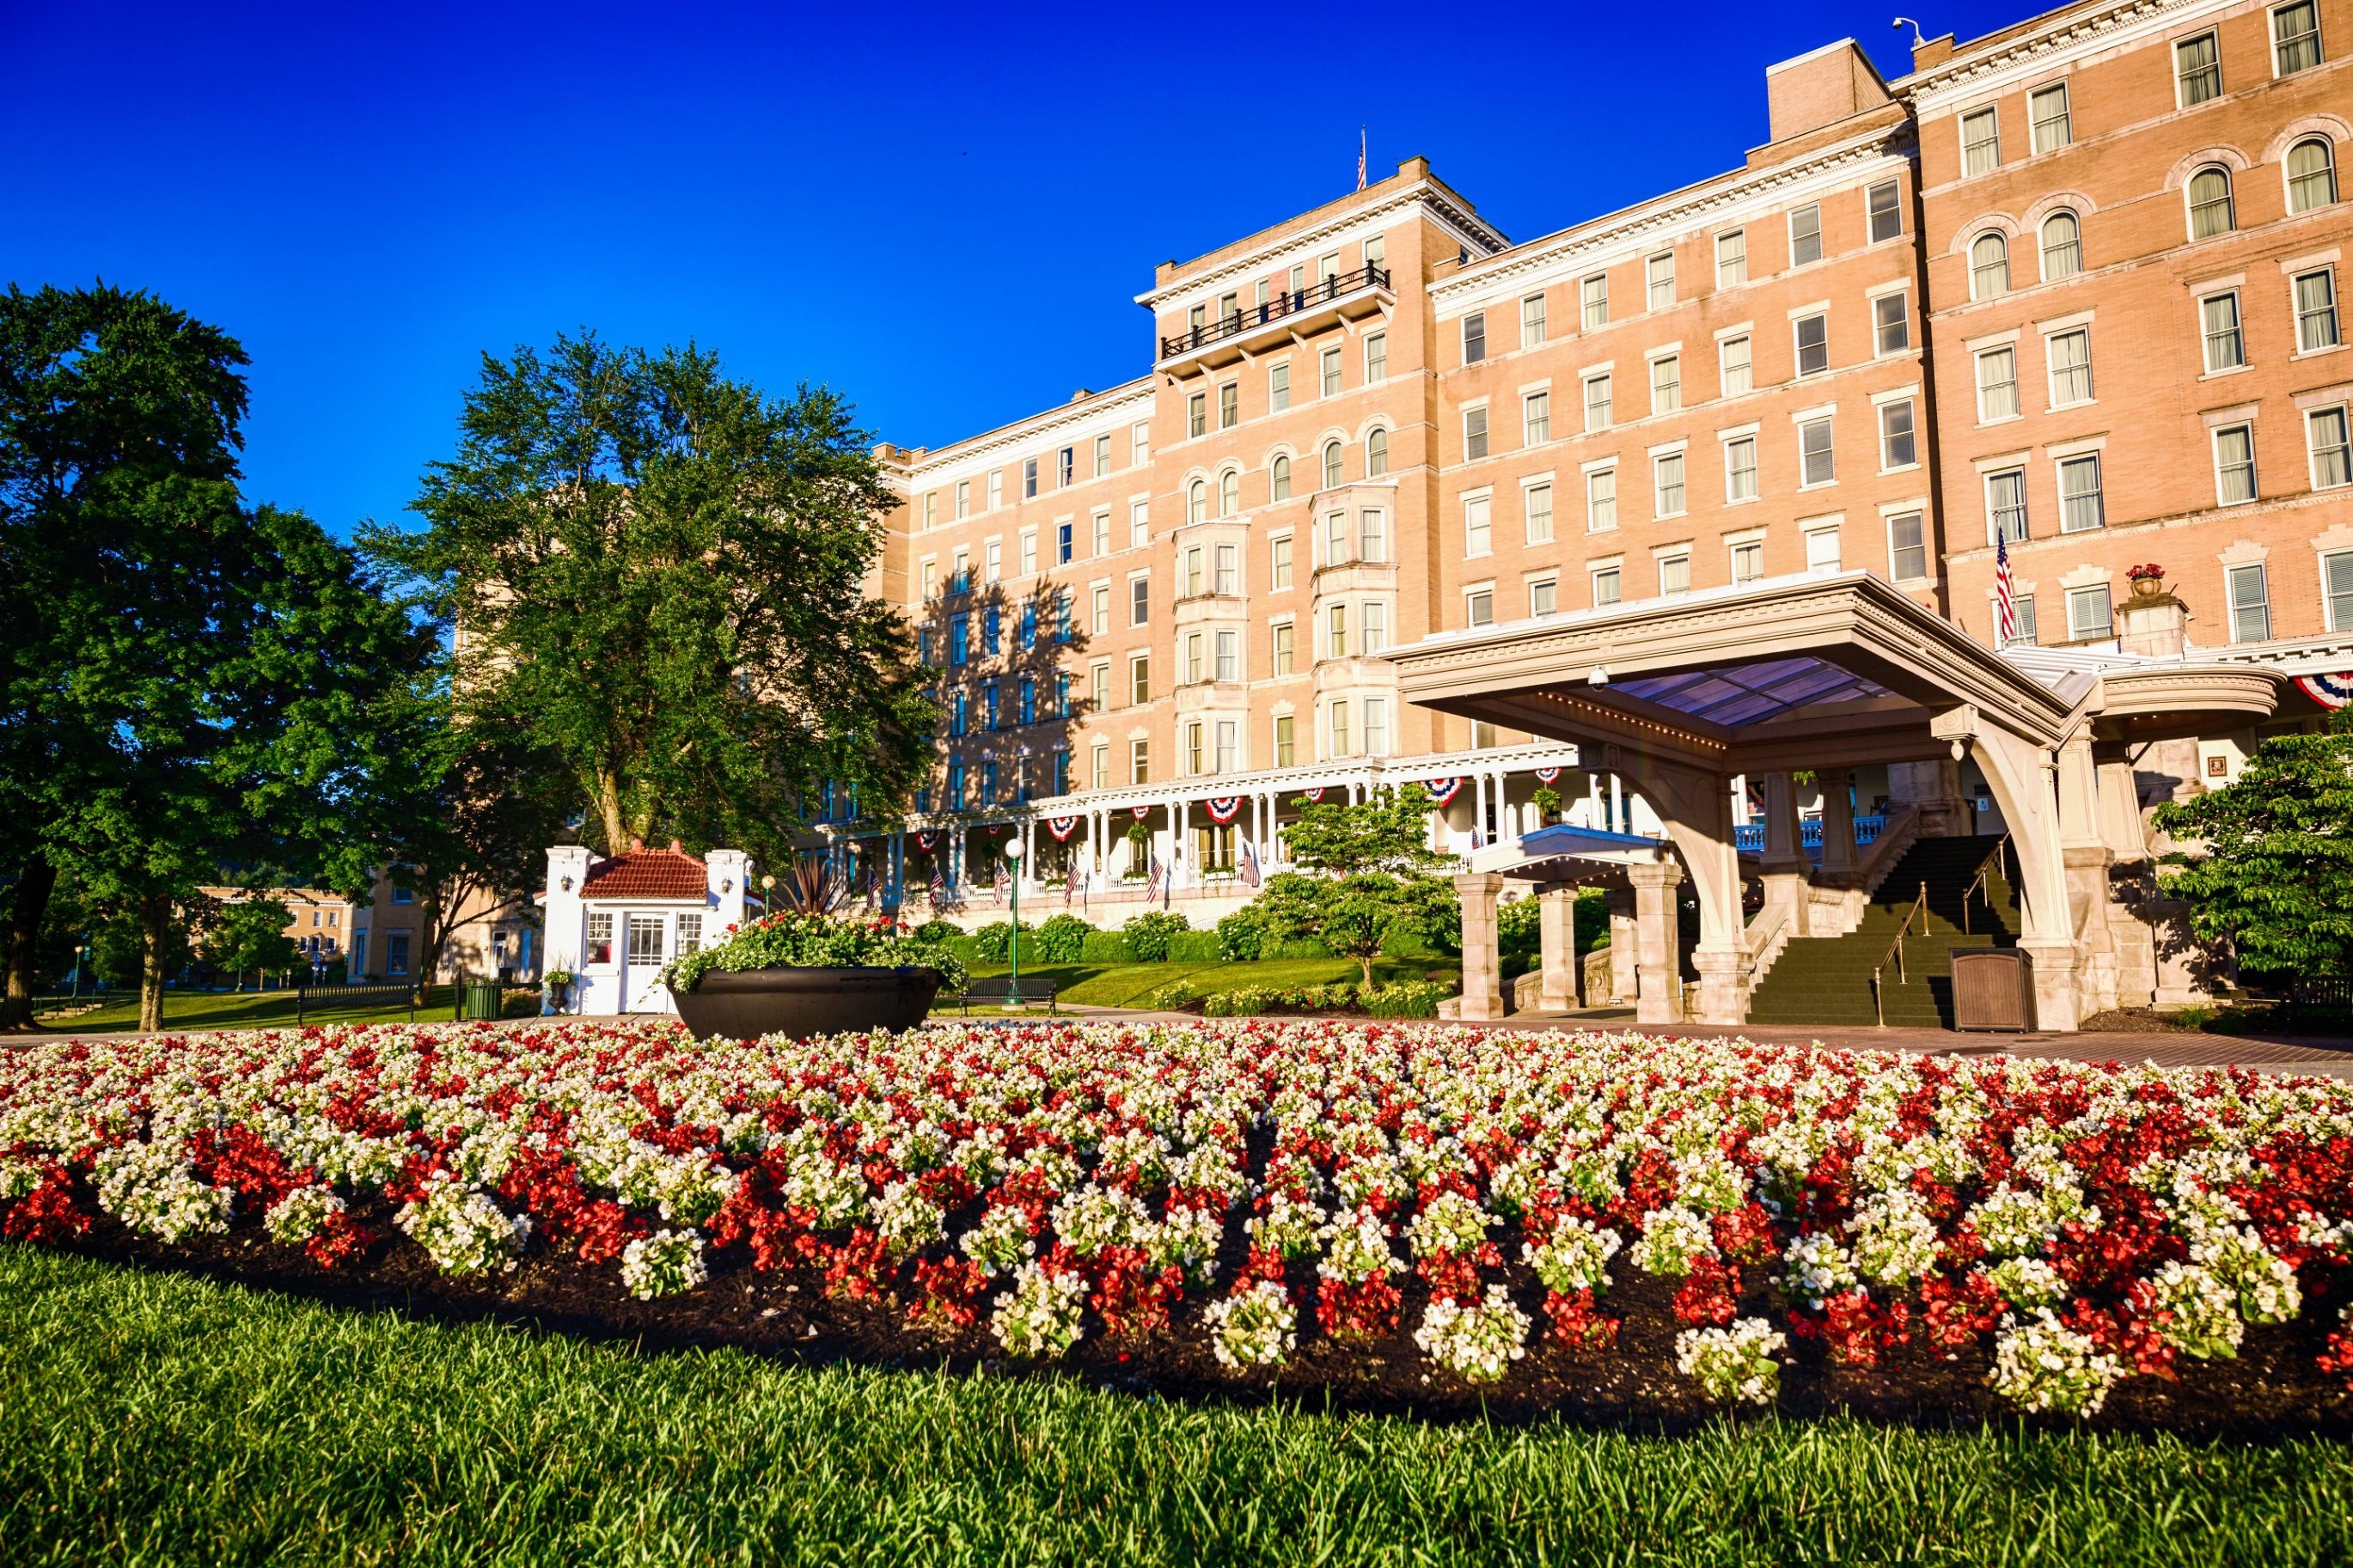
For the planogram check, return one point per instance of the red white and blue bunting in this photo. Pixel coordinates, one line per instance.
(1222, 808)
(1546, 775)
(1315, 794)
(928, 840)
(1002, 830)
(2328, 690)
(1443, 790)
(1140, 812)
(1062, 827)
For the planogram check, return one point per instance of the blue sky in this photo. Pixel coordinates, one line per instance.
(943, 212)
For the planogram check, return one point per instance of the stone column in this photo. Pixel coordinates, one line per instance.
(2087, 857)
(2020, 774)
(1180, 847)
(1618, 820)
(1482, 993)
(1625, 946)
(1838, 824)
(1557, 932)
(1784, 868)
(2131, 918)
(1655, 940)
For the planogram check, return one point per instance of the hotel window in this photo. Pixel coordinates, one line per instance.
(1980, 142)
(1339, 722)
(1278, 482)
(2210, 209)
(1373, 535)
(2046, 109)
(931, 578)
(1065, 543)
(1595, 293)
(1197, 415)
(1285, 748)
(1227, 574)
(1103, 456)
(1377, 726)
(1674, 573)
(1139, 524)
(1535, 419)
(1748, 562)
(1908, 546)
(1539, 514)
(1139, 761)
(932, 509)
(2069, 355)
(1882, 201)
(1605, 585)
(1192, 570)
(1666, 383)
(1532, 321)
(2337, 582)
(1667, 483)
(2332, 458)
(1813, 333)
(1478, 607)
(963, 498)
(2250, 606)
(1102, 520)
(1376, 636)
(1139, 601)
(1733, 365)
(1376, 454)
(1377, 356)
(1332, 476)
(996, 488)
(1997, 384)
(2295, 37)
(1823, 549)
(1474, 337)
(1197, 501)
(1898, 442)
(1029, 479)
(1731, 257)
(1098, 619)
(2080, 507)
(1596, 403)
(2226, 348)
(2022, 612)
(2197, 69)
(2006, 505)
(1278, 387)
(1029, 552)
(1099, 685)
(1331, 361)
(2063, 246)
(1139, 441)
(1805, 235)
(1066, 466)
(1600, 501)
(959, 642)
(1817, 462)
(1335, 538)
(1278, 568)
(995, 568)
(1543, 596)
(1139, 680)
(1740, 468)
(1890, 323)
(1988, 266)
(2234, 465)
(1229, 405)
(1029, 699)
(988, 703)
(1659, 277)
(1476, 536)
(2087, 614)
(2311, 175)
(1230, 656)
(1281, 645)
(959, 715)
(1229, 492)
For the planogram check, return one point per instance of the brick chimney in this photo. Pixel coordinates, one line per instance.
(1821, 88)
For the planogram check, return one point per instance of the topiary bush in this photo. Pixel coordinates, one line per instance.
(1061, 940)
(1105, 947)
(1148, 935)
(1194, 947)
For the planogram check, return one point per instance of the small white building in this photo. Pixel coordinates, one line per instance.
(614, 923)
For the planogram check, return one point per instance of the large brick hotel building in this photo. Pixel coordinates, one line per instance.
(2078, 280)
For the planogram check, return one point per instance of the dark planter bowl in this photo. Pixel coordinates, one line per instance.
(745, 1004)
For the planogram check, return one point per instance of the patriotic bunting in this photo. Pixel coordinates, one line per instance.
(927, 840)
(1062, 827)
(1222, 808)
(2328, 690)
(1315, 794)
(1140, 812)
(1443, 790)
(1547, 775)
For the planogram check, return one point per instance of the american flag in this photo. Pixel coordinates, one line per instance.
(1069, 884)
(1249, 864)
(939, 888)
(1360, 157)
(996, 888)
(1152, 882)
(2005, 592)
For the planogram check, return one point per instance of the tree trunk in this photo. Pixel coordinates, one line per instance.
(35, 883)
(608, 806)
(435, 932)
(154, 926)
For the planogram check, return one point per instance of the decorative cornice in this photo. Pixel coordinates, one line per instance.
(2063, 33)
(1021, 432)
(1451, 215)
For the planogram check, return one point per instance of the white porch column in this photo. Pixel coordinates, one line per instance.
(1557, 936)
(1838, 823)
(1593, 800)
(1654, 922)
(1482, 993)
(1783, 865)
(1618, 821)
(1180, 852)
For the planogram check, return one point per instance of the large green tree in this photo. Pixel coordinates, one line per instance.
(250, 936)
(659, 575)
(2268, 868)
(1368, 875)
(195, 686)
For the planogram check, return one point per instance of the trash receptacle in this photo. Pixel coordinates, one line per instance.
(483, 998)
(1989, 990)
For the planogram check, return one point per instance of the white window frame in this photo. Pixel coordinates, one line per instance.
(2343, 414)
(1733, 442)
(1679, 458)
(1813, 210)
(2222, 471)
(2052, 368)
(2036, 120)
(2233, 576)
(1724, 365)
(2076, 462)
(2076, 628)
(1991, 117)
(1739, 264)
(1593, 523)
(1919, 516)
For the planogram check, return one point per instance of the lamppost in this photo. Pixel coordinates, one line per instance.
(1013, 981)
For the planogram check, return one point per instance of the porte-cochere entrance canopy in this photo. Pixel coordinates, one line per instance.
(1826, 673)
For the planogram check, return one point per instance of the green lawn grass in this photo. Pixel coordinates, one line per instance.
(1136, 985)
(158, 1419)
(246, 1010)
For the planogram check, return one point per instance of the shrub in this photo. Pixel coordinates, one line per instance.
(1519, 928)
(1061, 940)
(1105, 947)
(1243, 935)
(994, 942)
(1406, 999)
(1298, 947)
(1194, 947)
(937, 932)
(782, 941)
(1148, 935)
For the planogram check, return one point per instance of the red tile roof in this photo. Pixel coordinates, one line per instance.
(643, 873)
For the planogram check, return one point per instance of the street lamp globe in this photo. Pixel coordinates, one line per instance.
(1013, 849)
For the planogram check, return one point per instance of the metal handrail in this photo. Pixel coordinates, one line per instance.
(1978, 883)
(1919, 910)
(1290, 303)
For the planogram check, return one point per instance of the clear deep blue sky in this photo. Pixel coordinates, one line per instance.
(944, 213)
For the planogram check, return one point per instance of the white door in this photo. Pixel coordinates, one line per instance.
(649, 943)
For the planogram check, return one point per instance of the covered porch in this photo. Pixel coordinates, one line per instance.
(1811, 677)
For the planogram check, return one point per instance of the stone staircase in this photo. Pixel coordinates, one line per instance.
(1827, 980)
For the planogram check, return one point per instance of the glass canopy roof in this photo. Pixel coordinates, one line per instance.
(1745, 694)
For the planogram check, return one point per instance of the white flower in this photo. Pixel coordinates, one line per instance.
(1477, 1343)
(1818, 1268)
(1733, 1363)
(1448, 1223)
(2039, 1363)
(667, 1263)
(2205, 1312)
(461, 1229)
(1575, 1258)
(1356, 1248)
(1894, 1238)
(1040, 1317)
(1253, 1327)
(151, 1187)
(296, 1217)
(2026, 1282)
(1673, 1239)
(908, 1220)
(1000, 1240)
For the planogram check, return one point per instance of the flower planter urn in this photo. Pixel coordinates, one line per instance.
(801, 1001)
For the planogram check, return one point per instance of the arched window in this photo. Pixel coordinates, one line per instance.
(2311, 175)
(1281, 470)
(1376, 454)
(1332, 466)
(1197, 501)
(2063, 246)
(2210, 211)
(1230, 494)
(1988, 266)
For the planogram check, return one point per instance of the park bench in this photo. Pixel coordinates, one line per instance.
(994, 990)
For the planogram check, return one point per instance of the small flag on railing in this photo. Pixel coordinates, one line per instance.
(1249, 864)
(1152, 882)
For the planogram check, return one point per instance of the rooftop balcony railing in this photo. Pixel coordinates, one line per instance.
(1292, 303)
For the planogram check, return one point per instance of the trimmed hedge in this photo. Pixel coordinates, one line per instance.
(1105, 947)
(1403, 999)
